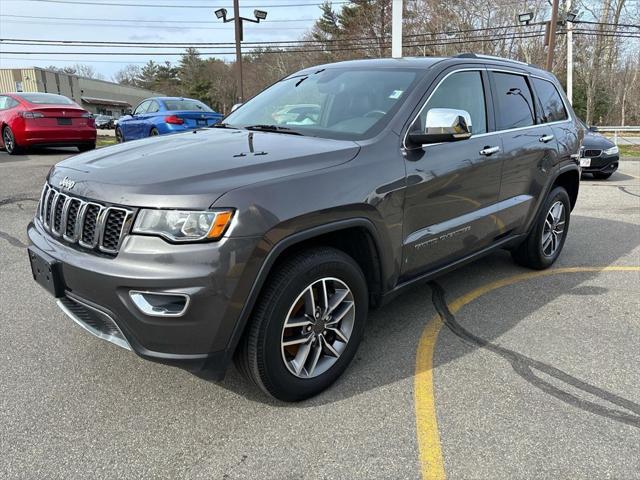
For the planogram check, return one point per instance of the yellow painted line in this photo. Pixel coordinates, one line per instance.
(430, 450)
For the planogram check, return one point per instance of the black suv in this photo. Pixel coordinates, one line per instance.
(268, 238)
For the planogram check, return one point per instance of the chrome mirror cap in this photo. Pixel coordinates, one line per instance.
(443, 125)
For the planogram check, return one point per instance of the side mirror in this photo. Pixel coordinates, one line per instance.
(443, 125)
(593, 129)
(235, 107)
(128, 111)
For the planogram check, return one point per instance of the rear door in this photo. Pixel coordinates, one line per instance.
(452, 187)
(529, 148)
(554, 112)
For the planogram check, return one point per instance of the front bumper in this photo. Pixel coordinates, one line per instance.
(603, 163)
(216, 277)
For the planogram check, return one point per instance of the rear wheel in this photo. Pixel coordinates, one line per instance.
(119, 136)
(9, 141)
(306, 326)
(154, 132)
(601, 175)
(85, 147)
(544, 243)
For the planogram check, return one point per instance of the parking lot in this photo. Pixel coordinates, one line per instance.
(492, 371)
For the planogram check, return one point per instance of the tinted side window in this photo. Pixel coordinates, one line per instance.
(142, 108)
(514, 102)
(153, 108)
(462, 91)
(552, 107)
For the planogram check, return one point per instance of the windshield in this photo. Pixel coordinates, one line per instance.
(45, 99)
(332, 103)
(186, 104)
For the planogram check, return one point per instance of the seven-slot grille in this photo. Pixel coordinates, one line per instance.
(89, 224)
(590, 153)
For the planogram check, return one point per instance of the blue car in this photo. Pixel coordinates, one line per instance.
(164, 115)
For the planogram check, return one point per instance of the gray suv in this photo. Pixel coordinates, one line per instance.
(267, 238)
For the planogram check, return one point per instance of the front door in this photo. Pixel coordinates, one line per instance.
(452, 187)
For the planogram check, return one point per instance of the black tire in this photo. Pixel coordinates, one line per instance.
(260, 357)
(85, 147)
(9, 142)
(154, 132)
(119, 135)
(531, 252)
(601, 175)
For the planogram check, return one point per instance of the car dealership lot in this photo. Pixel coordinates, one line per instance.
(531, 376)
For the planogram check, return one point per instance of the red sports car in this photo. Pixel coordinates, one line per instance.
(44, 119)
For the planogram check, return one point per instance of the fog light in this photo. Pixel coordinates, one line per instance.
(159, 304)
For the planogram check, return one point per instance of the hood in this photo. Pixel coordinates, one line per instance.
(191, 170)
(594, 140)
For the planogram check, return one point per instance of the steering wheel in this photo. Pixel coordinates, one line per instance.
(374, 114)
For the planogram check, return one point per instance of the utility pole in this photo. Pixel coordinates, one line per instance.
(396, 29)
(552, 34)
(569, 55)
(238, 21)
(239, 37)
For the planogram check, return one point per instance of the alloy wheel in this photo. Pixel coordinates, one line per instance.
(318, 327)
(553, 229)
(119, 138)
(7, 138)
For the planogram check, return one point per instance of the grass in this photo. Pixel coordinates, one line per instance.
(629, 150)
(105, 141)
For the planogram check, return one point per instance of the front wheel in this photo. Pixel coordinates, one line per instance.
(306, 326)
(544, 243)
(119, 135)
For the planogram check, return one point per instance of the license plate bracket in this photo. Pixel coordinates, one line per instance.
(201, 123)
(64, 121)
(585, 162)
(47, 272)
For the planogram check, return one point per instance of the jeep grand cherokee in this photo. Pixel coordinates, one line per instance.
(268, 238)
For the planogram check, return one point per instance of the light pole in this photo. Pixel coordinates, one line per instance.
(221, 13)
(396, 29)
(571, 17)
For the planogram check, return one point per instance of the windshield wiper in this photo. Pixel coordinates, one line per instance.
(272, 128)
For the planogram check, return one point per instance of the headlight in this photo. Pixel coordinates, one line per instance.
(611, 151)
(183, 225)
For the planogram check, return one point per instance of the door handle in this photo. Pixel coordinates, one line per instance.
(489, 150)
(546, 138)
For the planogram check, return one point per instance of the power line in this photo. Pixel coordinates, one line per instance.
(167, 27)
(144, 21)
(154, 5)
(135, 43)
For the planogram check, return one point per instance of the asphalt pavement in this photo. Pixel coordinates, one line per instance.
(489, 372)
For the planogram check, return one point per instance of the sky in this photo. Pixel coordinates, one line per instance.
(104, 20)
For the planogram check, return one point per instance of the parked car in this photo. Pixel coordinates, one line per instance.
(269, 242)
(599, 156)
(163, 115)
(104, 122)
(44, 119)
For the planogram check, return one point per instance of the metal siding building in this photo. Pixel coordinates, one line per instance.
(96, 96)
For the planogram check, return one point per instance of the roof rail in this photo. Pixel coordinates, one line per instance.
(489, 57)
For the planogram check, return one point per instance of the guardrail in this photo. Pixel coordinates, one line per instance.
(620, 129)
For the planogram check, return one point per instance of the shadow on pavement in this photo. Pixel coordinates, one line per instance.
(387, 354)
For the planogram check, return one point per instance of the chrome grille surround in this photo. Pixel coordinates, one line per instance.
(591, 152)
(82, 222)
